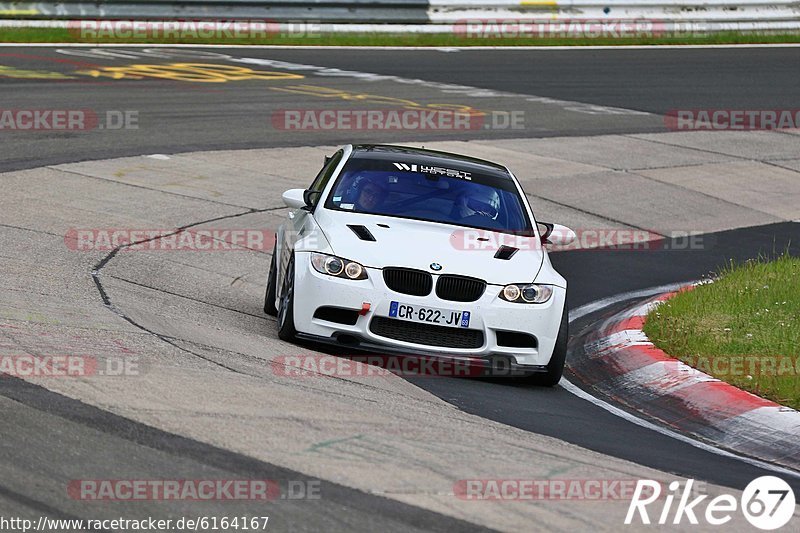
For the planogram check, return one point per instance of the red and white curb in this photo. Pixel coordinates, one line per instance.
(618, 360)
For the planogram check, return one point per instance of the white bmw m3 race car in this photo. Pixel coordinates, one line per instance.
(411, 251)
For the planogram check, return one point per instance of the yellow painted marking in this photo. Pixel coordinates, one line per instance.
(105, 74)
(192, 72)
(327, 92)
(11, 72)
(19, 11)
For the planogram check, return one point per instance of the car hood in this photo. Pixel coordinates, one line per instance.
(417, 244)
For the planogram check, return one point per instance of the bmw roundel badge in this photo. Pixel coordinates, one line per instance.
(436, 266)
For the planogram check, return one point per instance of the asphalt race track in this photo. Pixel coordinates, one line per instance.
(179, 117)
(65, 432)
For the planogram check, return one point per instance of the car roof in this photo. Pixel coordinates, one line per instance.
(407, 154)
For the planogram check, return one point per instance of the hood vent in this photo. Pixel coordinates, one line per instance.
(505, 252)
(362, 232)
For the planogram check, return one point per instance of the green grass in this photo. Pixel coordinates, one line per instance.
(744, 328)
(56, 35)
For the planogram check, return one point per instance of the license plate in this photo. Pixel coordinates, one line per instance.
(429, 315)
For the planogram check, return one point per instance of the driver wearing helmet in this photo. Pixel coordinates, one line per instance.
(479, 201)
(371, 194)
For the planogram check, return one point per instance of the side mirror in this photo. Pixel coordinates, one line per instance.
(557, 234)
(311, 198)
(548, 230)
(294, 198)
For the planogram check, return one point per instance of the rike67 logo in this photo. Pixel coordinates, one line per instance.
(767, 502)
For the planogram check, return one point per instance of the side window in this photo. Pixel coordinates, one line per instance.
(325, 174)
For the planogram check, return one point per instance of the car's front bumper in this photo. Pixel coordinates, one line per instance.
(489, 315)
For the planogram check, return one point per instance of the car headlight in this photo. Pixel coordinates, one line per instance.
(337, 266)
(526, 293)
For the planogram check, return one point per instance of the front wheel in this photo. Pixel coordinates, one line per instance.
(269, 297)
(555, 368)
(286, 330)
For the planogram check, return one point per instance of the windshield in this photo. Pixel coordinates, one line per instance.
(432, 193)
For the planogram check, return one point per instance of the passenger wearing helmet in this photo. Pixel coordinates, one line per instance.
(480, 201)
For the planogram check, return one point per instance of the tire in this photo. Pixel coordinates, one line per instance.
(555, 368)
(286, 330)
(269, 297)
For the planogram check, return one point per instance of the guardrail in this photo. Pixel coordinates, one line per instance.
(449, 11)
(382, 11)
(422, 15)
